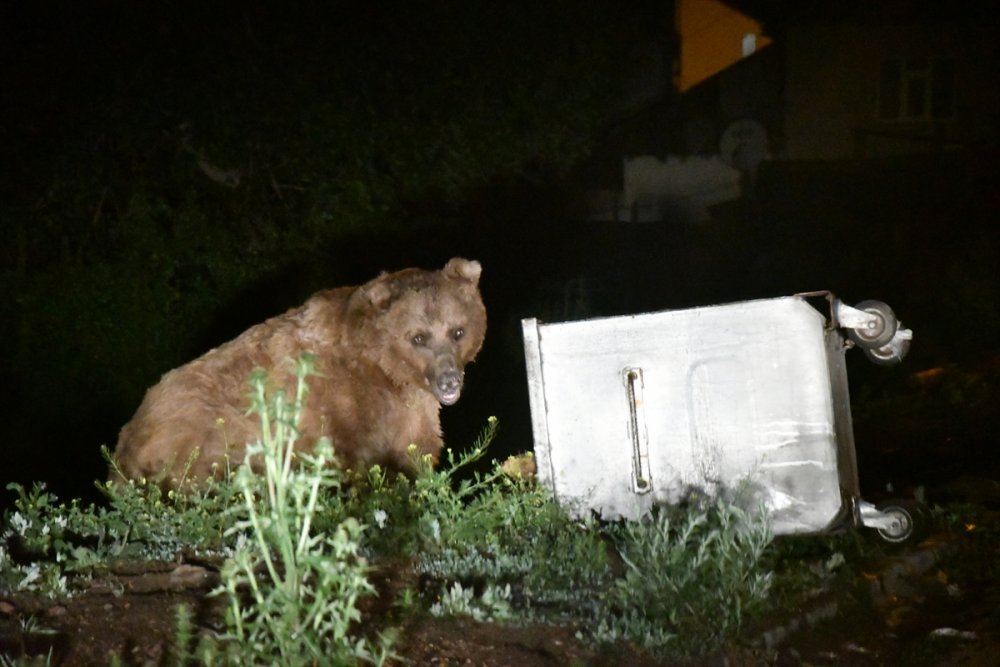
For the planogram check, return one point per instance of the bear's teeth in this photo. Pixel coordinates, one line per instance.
(449, 397)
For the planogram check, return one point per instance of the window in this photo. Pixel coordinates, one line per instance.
(916, 89)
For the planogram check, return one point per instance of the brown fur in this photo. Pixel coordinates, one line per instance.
(388, 354)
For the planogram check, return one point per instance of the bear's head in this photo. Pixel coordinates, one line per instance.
(422, 327)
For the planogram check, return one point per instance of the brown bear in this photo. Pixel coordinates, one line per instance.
(387, 354)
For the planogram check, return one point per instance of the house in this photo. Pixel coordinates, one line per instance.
(888, 79)
(802, 81)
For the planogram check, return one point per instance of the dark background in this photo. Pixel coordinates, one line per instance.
(372, 136)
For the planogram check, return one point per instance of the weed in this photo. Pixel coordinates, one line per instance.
(44, 541)
(183, 636)
(23, 655)
(493, 604)
(690, 577)
(27, 661)
(302, 585)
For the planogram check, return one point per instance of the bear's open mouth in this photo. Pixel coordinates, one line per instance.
(447, 386)
(449, 396)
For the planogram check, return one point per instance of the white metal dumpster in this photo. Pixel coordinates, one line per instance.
(633, 411)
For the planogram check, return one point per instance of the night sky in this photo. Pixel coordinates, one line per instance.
(174, 172)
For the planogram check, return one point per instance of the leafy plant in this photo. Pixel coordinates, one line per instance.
(687, 577)
(44, 541)
(293, 590)
(493, 604)
(691, 575)
(505, 537)
(23, 656)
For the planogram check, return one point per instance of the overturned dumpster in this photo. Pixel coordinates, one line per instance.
(749, 398)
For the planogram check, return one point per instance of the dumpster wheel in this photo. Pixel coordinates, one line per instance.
(882, 333)
(909, 521)
(888, 355)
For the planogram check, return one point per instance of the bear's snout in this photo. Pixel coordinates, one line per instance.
(448, 386)
(446, 378)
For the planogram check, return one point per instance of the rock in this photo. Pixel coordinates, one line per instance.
(897, 579)
(182, 577)
(816, 612)
(952, 632)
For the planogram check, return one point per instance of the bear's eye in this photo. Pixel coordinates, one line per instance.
(458, 333)
(419, 339)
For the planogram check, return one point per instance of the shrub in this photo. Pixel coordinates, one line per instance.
(690, 577)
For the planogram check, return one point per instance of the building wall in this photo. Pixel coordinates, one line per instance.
(832, 89)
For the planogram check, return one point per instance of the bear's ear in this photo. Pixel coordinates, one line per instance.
(463, 269)
(378, 292)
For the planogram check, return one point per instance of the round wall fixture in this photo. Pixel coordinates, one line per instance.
(743, 144)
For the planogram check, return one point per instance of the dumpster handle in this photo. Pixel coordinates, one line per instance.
(641, 480)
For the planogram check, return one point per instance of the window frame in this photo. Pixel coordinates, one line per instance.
(916, 90)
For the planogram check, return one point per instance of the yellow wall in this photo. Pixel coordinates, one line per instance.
(711, 36)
